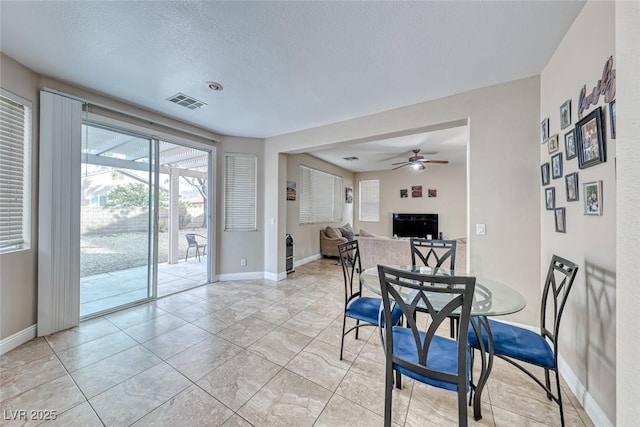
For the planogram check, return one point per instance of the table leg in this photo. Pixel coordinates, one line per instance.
(486, 357)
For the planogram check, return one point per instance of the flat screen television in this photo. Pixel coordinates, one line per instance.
(415, 225)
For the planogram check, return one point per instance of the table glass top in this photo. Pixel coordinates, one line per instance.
(490, 298)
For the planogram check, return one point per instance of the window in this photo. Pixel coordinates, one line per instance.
(370, 200)
(320, 196)
(15, 172)
(240, 180)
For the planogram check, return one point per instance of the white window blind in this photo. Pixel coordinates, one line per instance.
(240, 191)
(15, 172)
(320, 196)
(370, 200)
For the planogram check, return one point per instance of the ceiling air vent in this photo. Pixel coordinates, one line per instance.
(186, 101)
(350, 159)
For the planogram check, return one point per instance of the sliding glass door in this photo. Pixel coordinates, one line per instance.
(117, 217)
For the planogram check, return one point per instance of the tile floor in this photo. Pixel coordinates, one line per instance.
(240, 353)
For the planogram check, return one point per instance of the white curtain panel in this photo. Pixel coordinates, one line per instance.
(59, 213)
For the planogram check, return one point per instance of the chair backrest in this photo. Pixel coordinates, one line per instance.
(557, 286)
(191, 239)
(434, 253)
(349, 254)
(441, 296)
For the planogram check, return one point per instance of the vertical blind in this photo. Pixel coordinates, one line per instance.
(370, 200)
(15, 143)
(240, 181)
(320, 196)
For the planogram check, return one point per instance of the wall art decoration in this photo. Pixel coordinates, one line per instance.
(612, 118)
(571, 181)
(432, 192)
(606, 86)
(544, 130)
(416, 191)
(592, 196)
(550, 198)
(561, 224)
(552, 144)
(291, 190)
(348, 195)
(590, 140)
(556, 166)
(544, 174)
(565, 114)
(404, 193)
(570, 150)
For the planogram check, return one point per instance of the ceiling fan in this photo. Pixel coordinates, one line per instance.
(417, 162)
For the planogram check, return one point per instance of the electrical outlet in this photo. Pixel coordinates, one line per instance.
(481, 229)
(243, 262)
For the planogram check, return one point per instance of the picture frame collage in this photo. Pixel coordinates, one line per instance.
(586, 140)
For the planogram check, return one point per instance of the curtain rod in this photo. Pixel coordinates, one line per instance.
(127, 113)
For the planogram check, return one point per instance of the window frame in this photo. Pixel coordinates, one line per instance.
(307, 190)
(227, 226)
(362, 193)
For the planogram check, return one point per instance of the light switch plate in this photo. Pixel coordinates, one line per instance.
(481, 229)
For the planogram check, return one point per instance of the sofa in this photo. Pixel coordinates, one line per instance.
(330, 238)
(386, 251)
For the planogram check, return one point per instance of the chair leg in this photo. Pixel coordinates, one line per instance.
(547, 381)
(357, 328)
(388, 393)
(398, 380)
(462, 406)
(344, 323)
(560, 398)
(198, 252)
(187, 255)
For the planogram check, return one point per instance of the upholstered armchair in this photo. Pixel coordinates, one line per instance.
(330, 238)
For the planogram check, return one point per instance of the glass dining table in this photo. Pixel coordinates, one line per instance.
(491, 298)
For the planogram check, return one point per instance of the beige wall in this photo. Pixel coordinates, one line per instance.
(503, 175)
(19, 270)
(587, 341)
(450, 204)
(307, 242)
(628, 221)
(236, 245)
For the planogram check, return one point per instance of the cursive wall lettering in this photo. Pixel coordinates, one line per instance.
(606, 86)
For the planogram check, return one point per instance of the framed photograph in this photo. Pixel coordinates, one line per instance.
(592, 198)
(550, 198)
(291, 190)
(612, 118)
(544, 130)
(561, 224)
(570, 144)
(571, 180)
(556, 166)
(432, 192)
(544, 174)
(565, 114)
(552, 144)
(416, 191)
(348, 195)
(590, 140)
(404, 193)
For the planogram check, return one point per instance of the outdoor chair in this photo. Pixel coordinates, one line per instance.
(424, 356)
(362, 309)
(193, 243)
(514, 344)
(435, 254)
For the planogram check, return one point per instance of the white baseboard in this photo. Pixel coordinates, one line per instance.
(591, 407)
(307, 260)
(276, 277)
(17, 339)
(250, 275)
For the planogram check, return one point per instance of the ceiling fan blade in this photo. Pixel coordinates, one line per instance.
(401, 166)
(399, 163)
(439, 162)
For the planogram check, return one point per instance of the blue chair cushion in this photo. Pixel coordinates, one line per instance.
(442, 356)
(517, 343)
(367, 309)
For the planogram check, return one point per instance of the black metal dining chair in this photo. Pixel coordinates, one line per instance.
(436, 360)
(515, 344)
(435, 254)
(362, 309)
